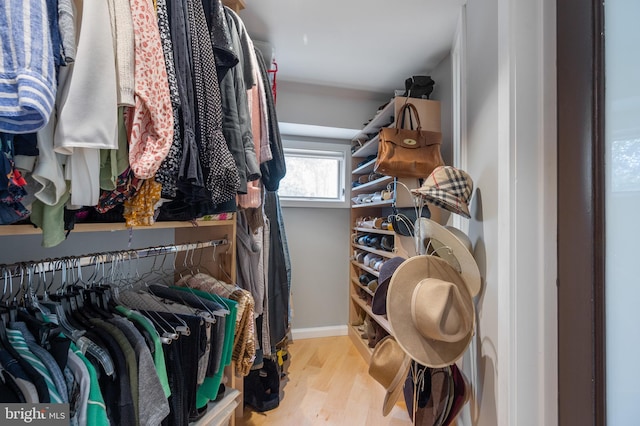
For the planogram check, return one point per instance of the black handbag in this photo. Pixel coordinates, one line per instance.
(403, 219)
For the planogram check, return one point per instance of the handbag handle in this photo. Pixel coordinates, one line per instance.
(400, 119)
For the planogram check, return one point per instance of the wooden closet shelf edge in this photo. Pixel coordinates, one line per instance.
(120, 226)
(381, 320)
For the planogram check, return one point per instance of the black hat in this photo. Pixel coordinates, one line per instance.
(379, 304)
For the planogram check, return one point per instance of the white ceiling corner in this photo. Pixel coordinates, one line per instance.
(370, 45)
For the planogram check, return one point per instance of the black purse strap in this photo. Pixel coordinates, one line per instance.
(400, 119)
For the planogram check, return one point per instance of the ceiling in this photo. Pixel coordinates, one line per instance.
(370, 45)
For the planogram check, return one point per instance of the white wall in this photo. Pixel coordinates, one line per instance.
(318, 238)
(28, 247)
(326, 106)
(511, 155)
(443, 91)
(481, 362)
(318, 242)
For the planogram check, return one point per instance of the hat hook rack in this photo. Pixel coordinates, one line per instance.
(417, 201)
(434, 251)
(417, 373)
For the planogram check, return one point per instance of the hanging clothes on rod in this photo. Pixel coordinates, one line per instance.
(144, 112)
(120, 351)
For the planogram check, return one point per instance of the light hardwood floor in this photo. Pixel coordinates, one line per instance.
(328, 384)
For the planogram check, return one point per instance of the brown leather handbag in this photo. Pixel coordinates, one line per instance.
(408, 152)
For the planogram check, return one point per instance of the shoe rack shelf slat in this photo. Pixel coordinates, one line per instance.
(374, 231)
(360, 343)
(382, 321)
(383, 253)
(365, 288)
(374, 185)
(365, 168)
(382, 117)
(373, 204)
(365, 268)
(370, 147)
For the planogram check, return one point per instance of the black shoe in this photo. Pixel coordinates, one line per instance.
(418, 86)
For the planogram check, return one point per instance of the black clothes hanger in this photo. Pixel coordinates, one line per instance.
(43, 331)
(89, 300)
(28, 309)
(61, 305)
(5, 319)
(98, 300)
(4, 340)
(67, 297)
(45, 300)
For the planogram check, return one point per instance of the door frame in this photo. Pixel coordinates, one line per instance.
(581, 225)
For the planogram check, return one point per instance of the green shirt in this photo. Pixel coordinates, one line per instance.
(96, 409)
(208, 390)
(158, 354)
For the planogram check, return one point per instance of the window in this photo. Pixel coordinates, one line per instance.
(315, 175)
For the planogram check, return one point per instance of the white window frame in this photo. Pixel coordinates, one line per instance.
(320, 149)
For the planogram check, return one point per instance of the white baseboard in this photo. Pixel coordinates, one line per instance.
(313, 332)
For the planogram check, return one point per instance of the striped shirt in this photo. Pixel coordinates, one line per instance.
(20, 345)
(96, 410)
(27, 73)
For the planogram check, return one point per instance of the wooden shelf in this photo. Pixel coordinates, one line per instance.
(367, 141)
(382, 118)
(365, 288)
(365, 168)
(369, 148)
(361, 345)
(375, 231)
(116, 226)
(384, 323)
(365, 268)
(383, 253)
(376, 204)
(378, 184)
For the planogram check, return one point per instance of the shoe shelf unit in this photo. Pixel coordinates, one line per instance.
(365, 168)
(373, 196)
(378, 184)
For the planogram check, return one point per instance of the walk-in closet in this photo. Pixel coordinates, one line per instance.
(274, 212)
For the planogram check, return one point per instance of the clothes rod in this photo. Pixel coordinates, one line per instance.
(49, 264)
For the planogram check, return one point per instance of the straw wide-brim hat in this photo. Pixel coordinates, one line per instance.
(430, 311)
(389, 365)
(454, 246)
